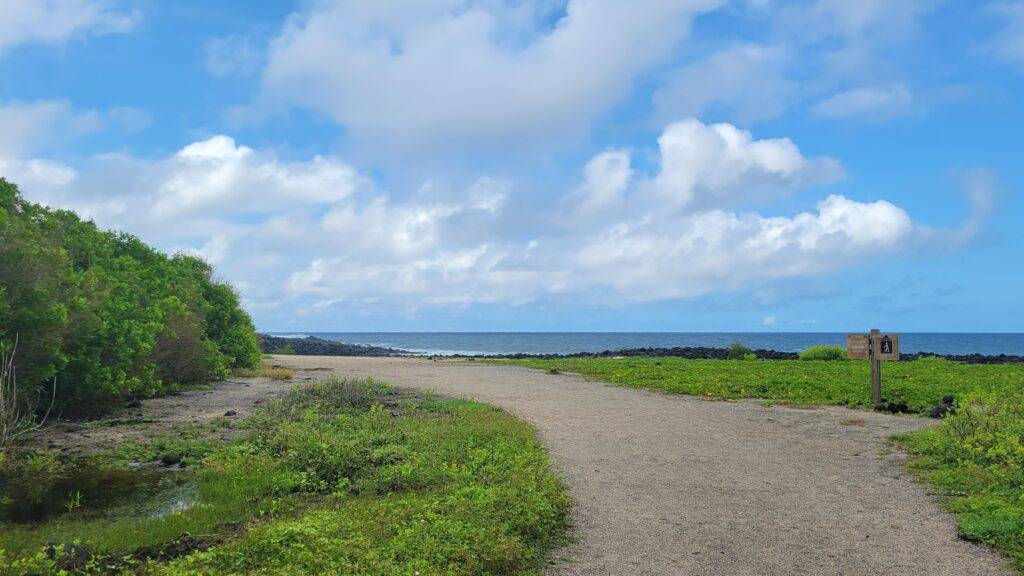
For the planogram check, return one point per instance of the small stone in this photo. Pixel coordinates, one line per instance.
(170, 459)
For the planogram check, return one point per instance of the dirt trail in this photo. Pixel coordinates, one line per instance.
(677, 485)
(158, 416)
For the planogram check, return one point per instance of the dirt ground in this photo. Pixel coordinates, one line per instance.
(158, 416)
(662, 484)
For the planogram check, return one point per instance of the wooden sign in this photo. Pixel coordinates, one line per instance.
(886, 346)
(857, 346)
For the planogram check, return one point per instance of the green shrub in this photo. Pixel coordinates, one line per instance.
(107, 316)
(738, 351)
(976, 458)
(26, 481)
(827, 353)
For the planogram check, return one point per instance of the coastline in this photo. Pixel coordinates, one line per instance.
(317, 346)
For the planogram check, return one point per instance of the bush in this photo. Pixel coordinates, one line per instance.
(737, 351)
(827, 353)
(107, 315)
(976, 457)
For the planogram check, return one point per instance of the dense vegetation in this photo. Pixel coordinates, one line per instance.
(105, 316)
(975, 459)
(921, 384)
(339, 477)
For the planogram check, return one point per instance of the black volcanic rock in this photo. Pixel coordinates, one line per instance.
(313, 346)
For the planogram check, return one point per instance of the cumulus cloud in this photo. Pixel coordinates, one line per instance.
(56, 21)
(874, 102)
(715, 165)
(218, 174)
(41, 176)
(311, 234)
(450, 72)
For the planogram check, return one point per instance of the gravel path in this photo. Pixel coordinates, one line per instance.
(678, 485)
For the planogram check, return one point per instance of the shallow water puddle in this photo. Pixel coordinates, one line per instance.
(91, 490)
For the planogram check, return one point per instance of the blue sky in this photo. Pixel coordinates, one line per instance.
(542, 165)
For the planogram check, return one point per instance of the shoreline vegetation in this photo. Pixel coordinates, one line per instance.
(338, 476)
(96, 318)
(316, 346)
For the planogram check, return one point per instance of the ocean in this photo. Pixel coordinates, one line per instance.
(482, 343)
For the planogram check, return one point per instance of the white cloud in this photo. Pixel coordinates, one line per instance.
(719, 164)
(311, 234)
(813, 50)
(56, 21)
(606, 178)
(875, 102)
(451, 72)
(29, 126)
(43, 177)
(218, 174)
(1007, 44)
(747, 81)
(769, 320)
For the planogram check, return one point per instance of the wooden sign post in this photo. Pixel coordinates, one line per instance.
(874, 347)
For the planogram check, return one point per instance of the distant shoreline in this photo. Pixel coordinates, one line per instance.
(316, 346)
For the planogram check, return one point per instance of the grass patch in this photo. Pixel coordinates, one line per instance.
(975, 460)
(339, 477)
(824, 353)
(273, 372)
(920, 383)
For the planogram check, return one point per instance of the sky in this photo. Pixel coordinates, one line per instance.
(543, 165)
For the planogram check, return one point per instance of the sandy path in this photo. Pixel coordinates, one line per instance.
(677, 485)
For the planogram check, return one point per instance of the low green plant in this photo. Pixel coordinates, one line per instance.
(975, 459)
(825, 353)
(266, 371)
(345, 477)
(921, 383)
(738, 351)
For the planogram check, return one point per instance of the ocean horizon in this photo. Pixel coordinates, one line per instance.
(484, 343)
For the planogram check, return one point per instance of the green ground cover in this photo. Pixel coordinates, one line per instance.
(973, 458)
(920, 383)
(338, 477)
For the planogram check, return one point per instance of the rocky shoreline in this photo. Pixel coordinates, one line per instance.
(707, 353)
(314, 346)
